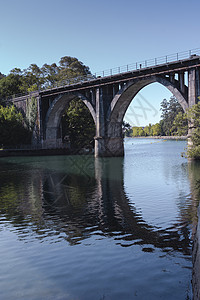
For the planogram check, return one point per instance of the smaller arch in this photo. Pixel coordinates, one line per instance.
(55, 112)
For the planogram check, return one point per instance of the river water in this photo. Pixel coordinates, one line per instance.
(79, 228)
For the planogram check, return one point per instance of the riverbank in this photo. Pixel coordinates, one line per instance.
(162, 137)
(33, 152)
(66, 151)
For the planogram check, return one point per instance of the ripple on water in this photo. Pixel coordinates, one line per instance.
(126, 234)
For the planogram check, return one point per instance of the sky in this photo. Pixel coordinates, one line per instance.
(102, 34)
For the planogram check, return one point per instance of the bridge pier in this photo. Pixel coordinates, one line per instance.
(109, 147)
(108, 139)
(193, 97)
(191, 87)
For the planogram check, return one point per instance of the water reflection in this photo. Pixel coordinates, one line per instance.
(194, 177)
(76, 198)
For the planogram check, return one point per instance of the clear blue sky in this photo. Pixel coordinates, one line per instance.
(102, 34)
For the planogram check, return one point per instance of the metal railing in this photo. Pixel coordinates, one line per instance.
(150, 63)
(118, 70)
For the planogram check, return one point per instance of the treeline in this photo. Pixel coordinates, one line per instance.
(77, 122)
(35, 78)
(174, 122)
(172, 116)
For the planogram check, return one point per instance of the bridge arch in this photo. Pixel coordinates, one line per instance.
(112, 144)
(123, 98)
(54, 115)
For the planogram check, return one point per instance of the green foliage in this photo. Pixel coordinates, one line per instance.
(31, 113)
(193, 116)
(126, 129)
(156, 129)
(12, 127)
(194, 152)
(78, 121)
(180, 124)
(34, 78)
(70, 68)
(78, 125)
(10, 85)
(170, 109)
(50, 75)
(173, 121)
(149, 130)
(1, 75)
(137, 131)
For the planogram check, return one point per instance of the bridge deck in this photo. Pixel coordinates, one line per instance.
(175, 66)
(140, 72)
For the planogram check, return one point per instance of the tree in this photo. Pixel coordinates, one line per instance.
(156, 129)
(140, 131)
(148, 130)
(193, 116)
(78, 126)
(13, 131)
(10, 85)
(169, 111)
(137, 131)
(126, 129)
(70, 68)
(32, 78)
(78, 121)
(50, 75)
(180, 124)
(1, 75)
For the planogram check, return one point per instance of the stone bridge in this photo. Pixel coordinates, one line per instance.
(108, 98)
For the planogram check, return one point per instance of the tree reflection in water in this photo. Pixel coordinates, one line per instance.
(83, 197)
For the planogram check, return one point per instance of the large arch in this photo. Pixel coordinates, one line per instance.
(123, 98)
(54, 114)
(112, 143)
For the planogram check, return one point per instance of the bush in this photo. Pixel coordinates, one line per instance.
(12, 128)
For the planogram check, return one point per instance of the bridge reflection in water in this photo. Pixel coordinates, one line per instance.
(76, 197)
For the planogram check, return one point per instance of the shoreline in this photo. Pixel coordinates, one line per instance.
(167, 137)
(65, 151)
(33, 152)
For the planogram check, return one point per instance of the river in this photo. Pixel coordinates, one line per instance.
(79, 228)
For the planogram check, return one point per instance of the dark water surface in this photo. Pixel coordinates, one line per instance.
(79, 228)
